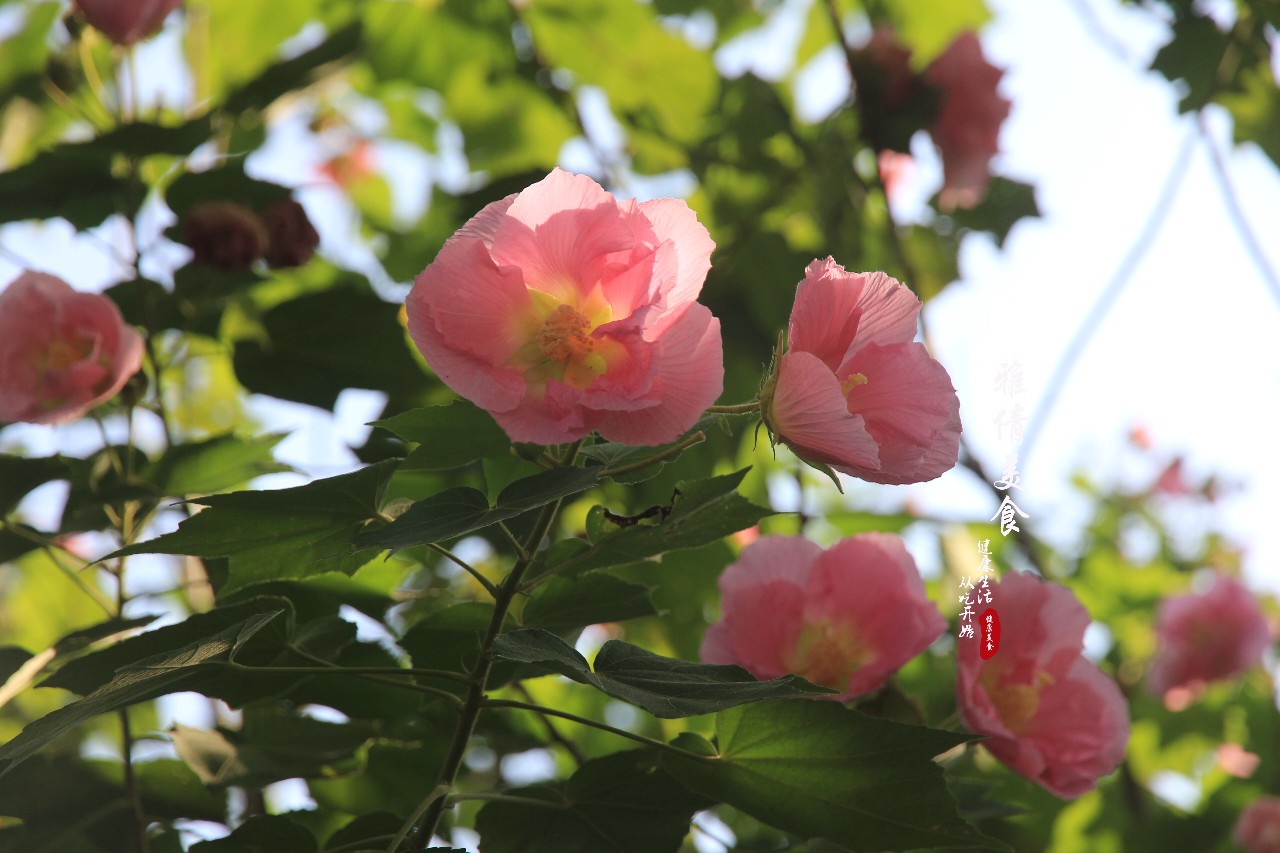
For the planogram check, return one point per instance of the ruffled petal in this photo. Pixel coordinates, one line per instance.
(910, 409)
(688, 371)
(836, 312)
(809, 414)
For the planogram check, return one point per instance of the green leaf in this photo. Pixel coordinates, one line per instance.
(285, 533)
(565, 603)
(448, 436)
(19, 475)
(319, 345)
(292, 74)
(214, 464)
(651, 75)
(929, 26)
(449, 639)
(78, 181)
(147, 679)
(1193, 56)
(27, 50)
(701, 512)
(455, 512)
(611, 455)
(255, 30)
(272, 745)
(262, 834)
(509, 125)
(623, 803)
(816, 769)
(1005, 203)
(86, 674)
(665, 687)
(1255, 108)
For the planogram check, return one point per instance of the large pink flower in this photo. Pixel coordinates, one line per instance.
(1209, 636)
(847, 618)
(564, 311)
(854, 391)
(967, 129)
(61, 352)
(1049, 713)
(127, 21)
(1258, 828)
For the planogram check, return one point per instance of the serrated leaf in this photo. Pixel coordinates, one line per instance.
(1005, 204)
(214, 464)
(321, 344)
(701, 512)
(280, 534)
(262, 834)
(448, 436)
(624, 803)
(19, 475)
(565, 603)
(458, 511)
(144, 680)
(817, 769)
(665, 687)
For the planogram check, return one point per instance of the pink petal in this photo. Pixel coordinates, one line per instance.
(809, 413)
(688, 371)
(836, 312)
(910, 409)
(565, 232)
(675, 224)
(550, 415)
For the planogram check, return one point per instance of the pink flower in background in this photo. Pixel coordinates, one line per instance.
(847, 618)
(1208, 636)
(61, 352)
(1049, 713)
(1258, 827)
(563, 311)
(967, 129)
(854, 391)
(127, 21)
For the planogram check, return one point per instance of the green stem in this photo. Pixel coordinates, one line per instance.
(739, 409)
(426, 673)
(672, 451)
(365, 673)
(132, 791)
(437, 795)
(494, 797)
(53, 549)
(423, 823)
(488, 585)
(604, 727)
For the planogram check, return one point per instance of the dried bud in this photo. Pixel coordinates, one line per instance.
(225, 234)
(293, 239)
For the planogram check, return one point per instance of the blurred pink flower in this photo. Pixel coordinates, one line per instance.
(127, 21)
(1206, 637)
(854, 391)
(61, 352)
(1171, 482)
(1049, 713)
(967, 128)
(1258, 827)
(563, 311)
(1236, 760)
(848, 617)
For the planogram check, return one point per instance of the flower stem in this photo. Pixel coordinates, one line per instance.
(466, 567)
(739, 409)
(672, 451)
(422, 823)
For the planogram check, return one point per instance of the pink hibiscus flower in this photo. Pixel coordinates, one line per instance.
(1209, 636)
(1049, 713)
(854, 391)
(1258, 828)
(127, 21)
(967, 129)
(847, 617)
(61, 352)
(563, 311)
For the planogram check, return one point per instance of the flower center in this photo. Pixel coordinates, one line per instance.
(828, 654)
(62, 354)
(1017, 704)
(565, 335)
(853, 380)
